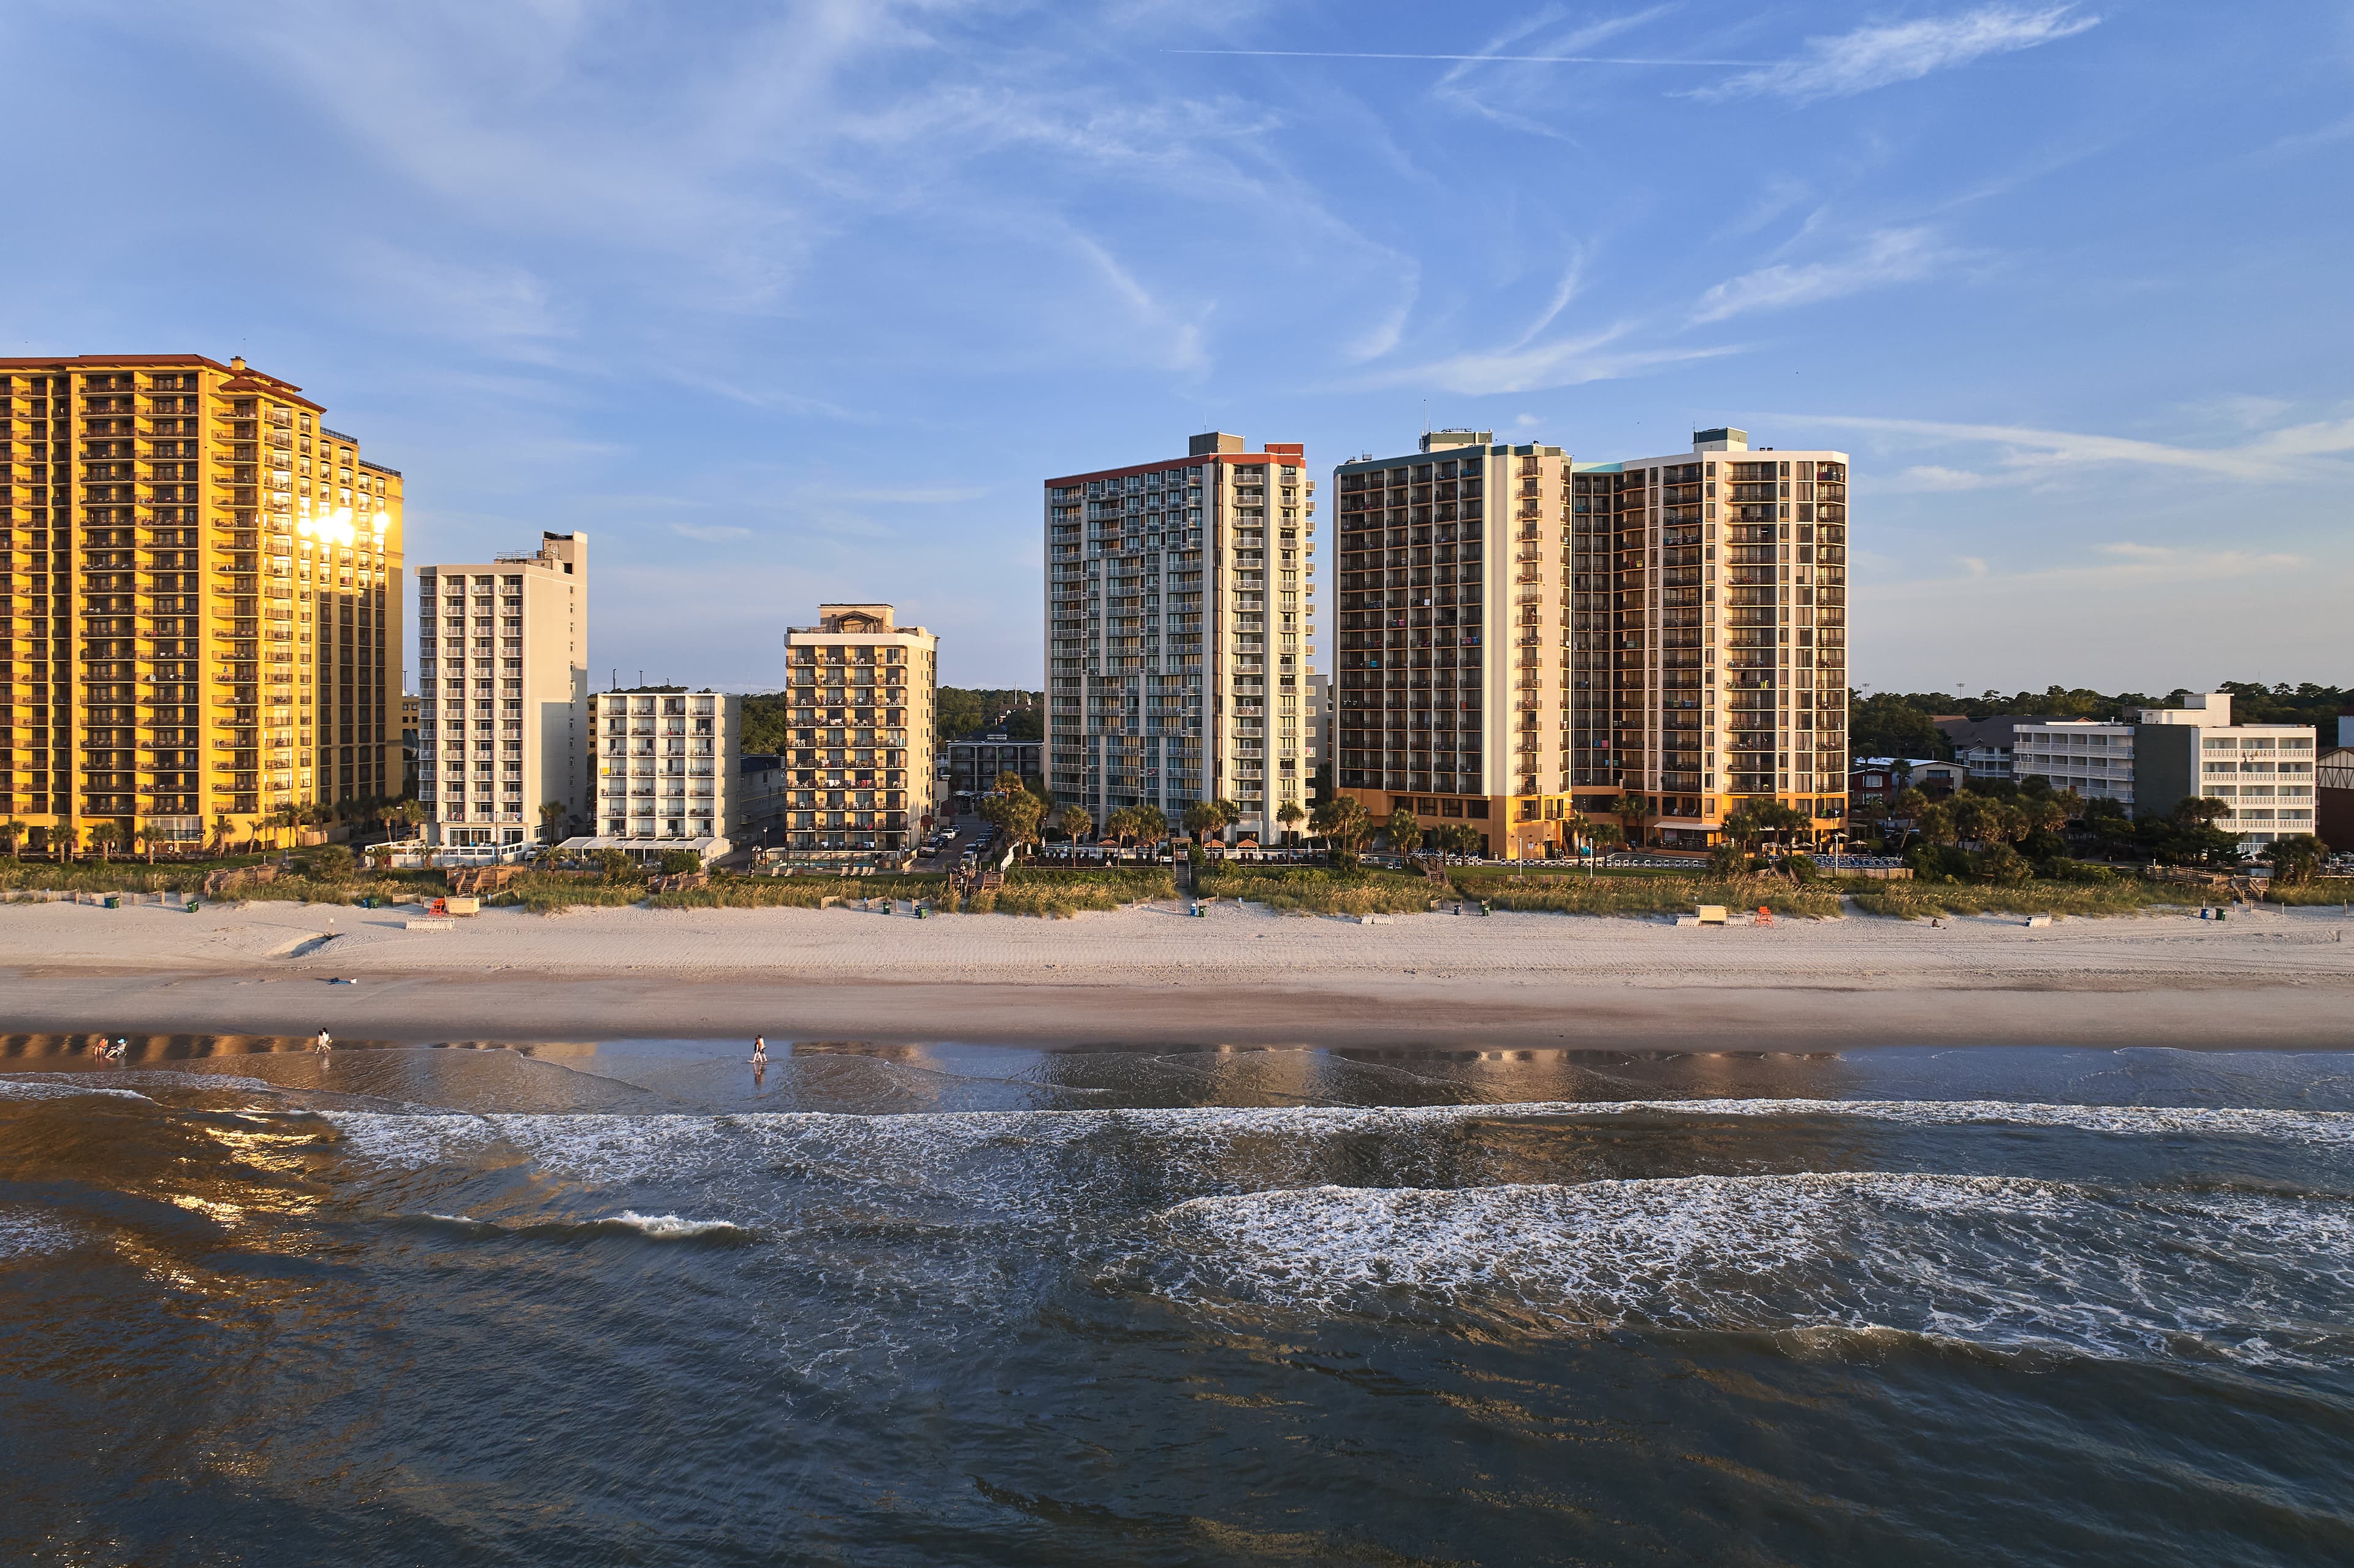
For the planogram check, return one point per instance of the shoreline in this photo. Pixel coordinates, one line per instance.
(1149, 976)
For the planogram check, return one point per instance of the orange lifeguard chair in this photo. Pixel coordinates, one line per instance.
(1765, 916)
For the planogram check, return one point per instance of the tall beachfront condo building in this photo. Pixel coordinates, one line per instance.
(502, 698)
(199, 600)
(1525, 638)
(1180, 629)
(663, 774)
(1706, 594)
(866, 696)
(1450, 694)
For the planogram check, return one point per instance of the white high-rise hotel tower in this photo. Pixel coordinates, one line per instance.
(1180, 631)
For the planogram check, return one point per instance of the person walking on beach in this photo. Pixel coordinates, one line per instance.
(325, 1043)
(759, 1051)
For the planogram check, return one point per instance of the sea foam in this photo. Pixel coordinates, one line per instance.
(1989, 1261)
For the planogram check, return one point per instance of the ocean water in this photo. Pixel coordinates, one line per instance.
(626, 1302)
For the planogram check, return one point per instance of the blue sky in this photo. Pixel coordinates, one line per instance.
(784, 302)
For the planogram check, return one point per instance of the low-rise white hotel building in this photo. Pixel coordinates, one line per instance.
(664, 771)
(2264, 771)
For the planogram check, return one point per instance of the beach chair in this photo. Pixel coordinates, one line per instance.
(1764, 917)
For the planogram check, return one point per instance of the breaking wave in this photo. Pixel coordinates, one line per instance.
(60, 1089)
(1990, 1261)
(652, 1227)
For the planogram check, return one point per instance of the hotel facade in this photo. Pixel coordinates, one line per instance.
(1525, 638)
(199, 600)
(663, 774)
(1179, 631)
(865, 701)
(2265, 773)
(502, 697)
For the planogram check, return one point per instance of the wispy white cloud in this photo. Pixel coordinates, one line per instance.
(1572, 362)
(506, 309)
(1385, 333)
(2128, 564)
(1931, 479)
(2306, 140)
(916, 495)
(2286, 453)
(1886, 53)
(2244, 411)
(1571, 276)
(1472, 86)
(709, 533)
(1890, 256)
(1772, 195)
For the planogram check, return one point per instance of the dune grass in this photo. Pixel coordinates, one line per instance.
(2126, 896)
(1057, 895)
(2321, 890)
(1316, 890)
(1644, 894)
(725, 892)
(102, 877)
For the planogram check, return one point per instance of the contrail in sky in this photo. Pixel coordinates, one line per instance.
(1512, 59)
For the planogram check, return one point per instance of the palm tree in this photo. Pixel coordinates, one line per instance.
(1151, 825)
(1781, 820)
(221, 826)
(1405, 832)
(1342, 821)
(12, 829)
(1202, 819)
(551, 813)
(400, 815)
(1291, 816)
(1075, 822)
(1742, 827)
(1637, 810)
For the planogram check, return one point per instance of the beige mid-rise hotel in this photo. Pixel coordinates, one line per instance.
(502, 697)
(1180, 631)
(663, 772)
(1525, 638)
(199, 601)
(859, 774)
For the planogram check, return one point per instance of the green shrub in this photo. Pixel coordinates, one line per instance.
(329, 864)
(1999, 865)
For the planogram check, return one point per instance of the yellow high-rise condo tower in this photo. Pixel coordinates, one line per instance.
(199, 602)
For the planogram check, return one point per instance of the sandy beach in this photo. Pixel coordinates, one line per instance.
(1151, 976)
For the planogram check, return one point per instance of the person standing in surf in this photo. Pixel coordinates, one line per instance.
(325, 1043)
(759, 1051)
